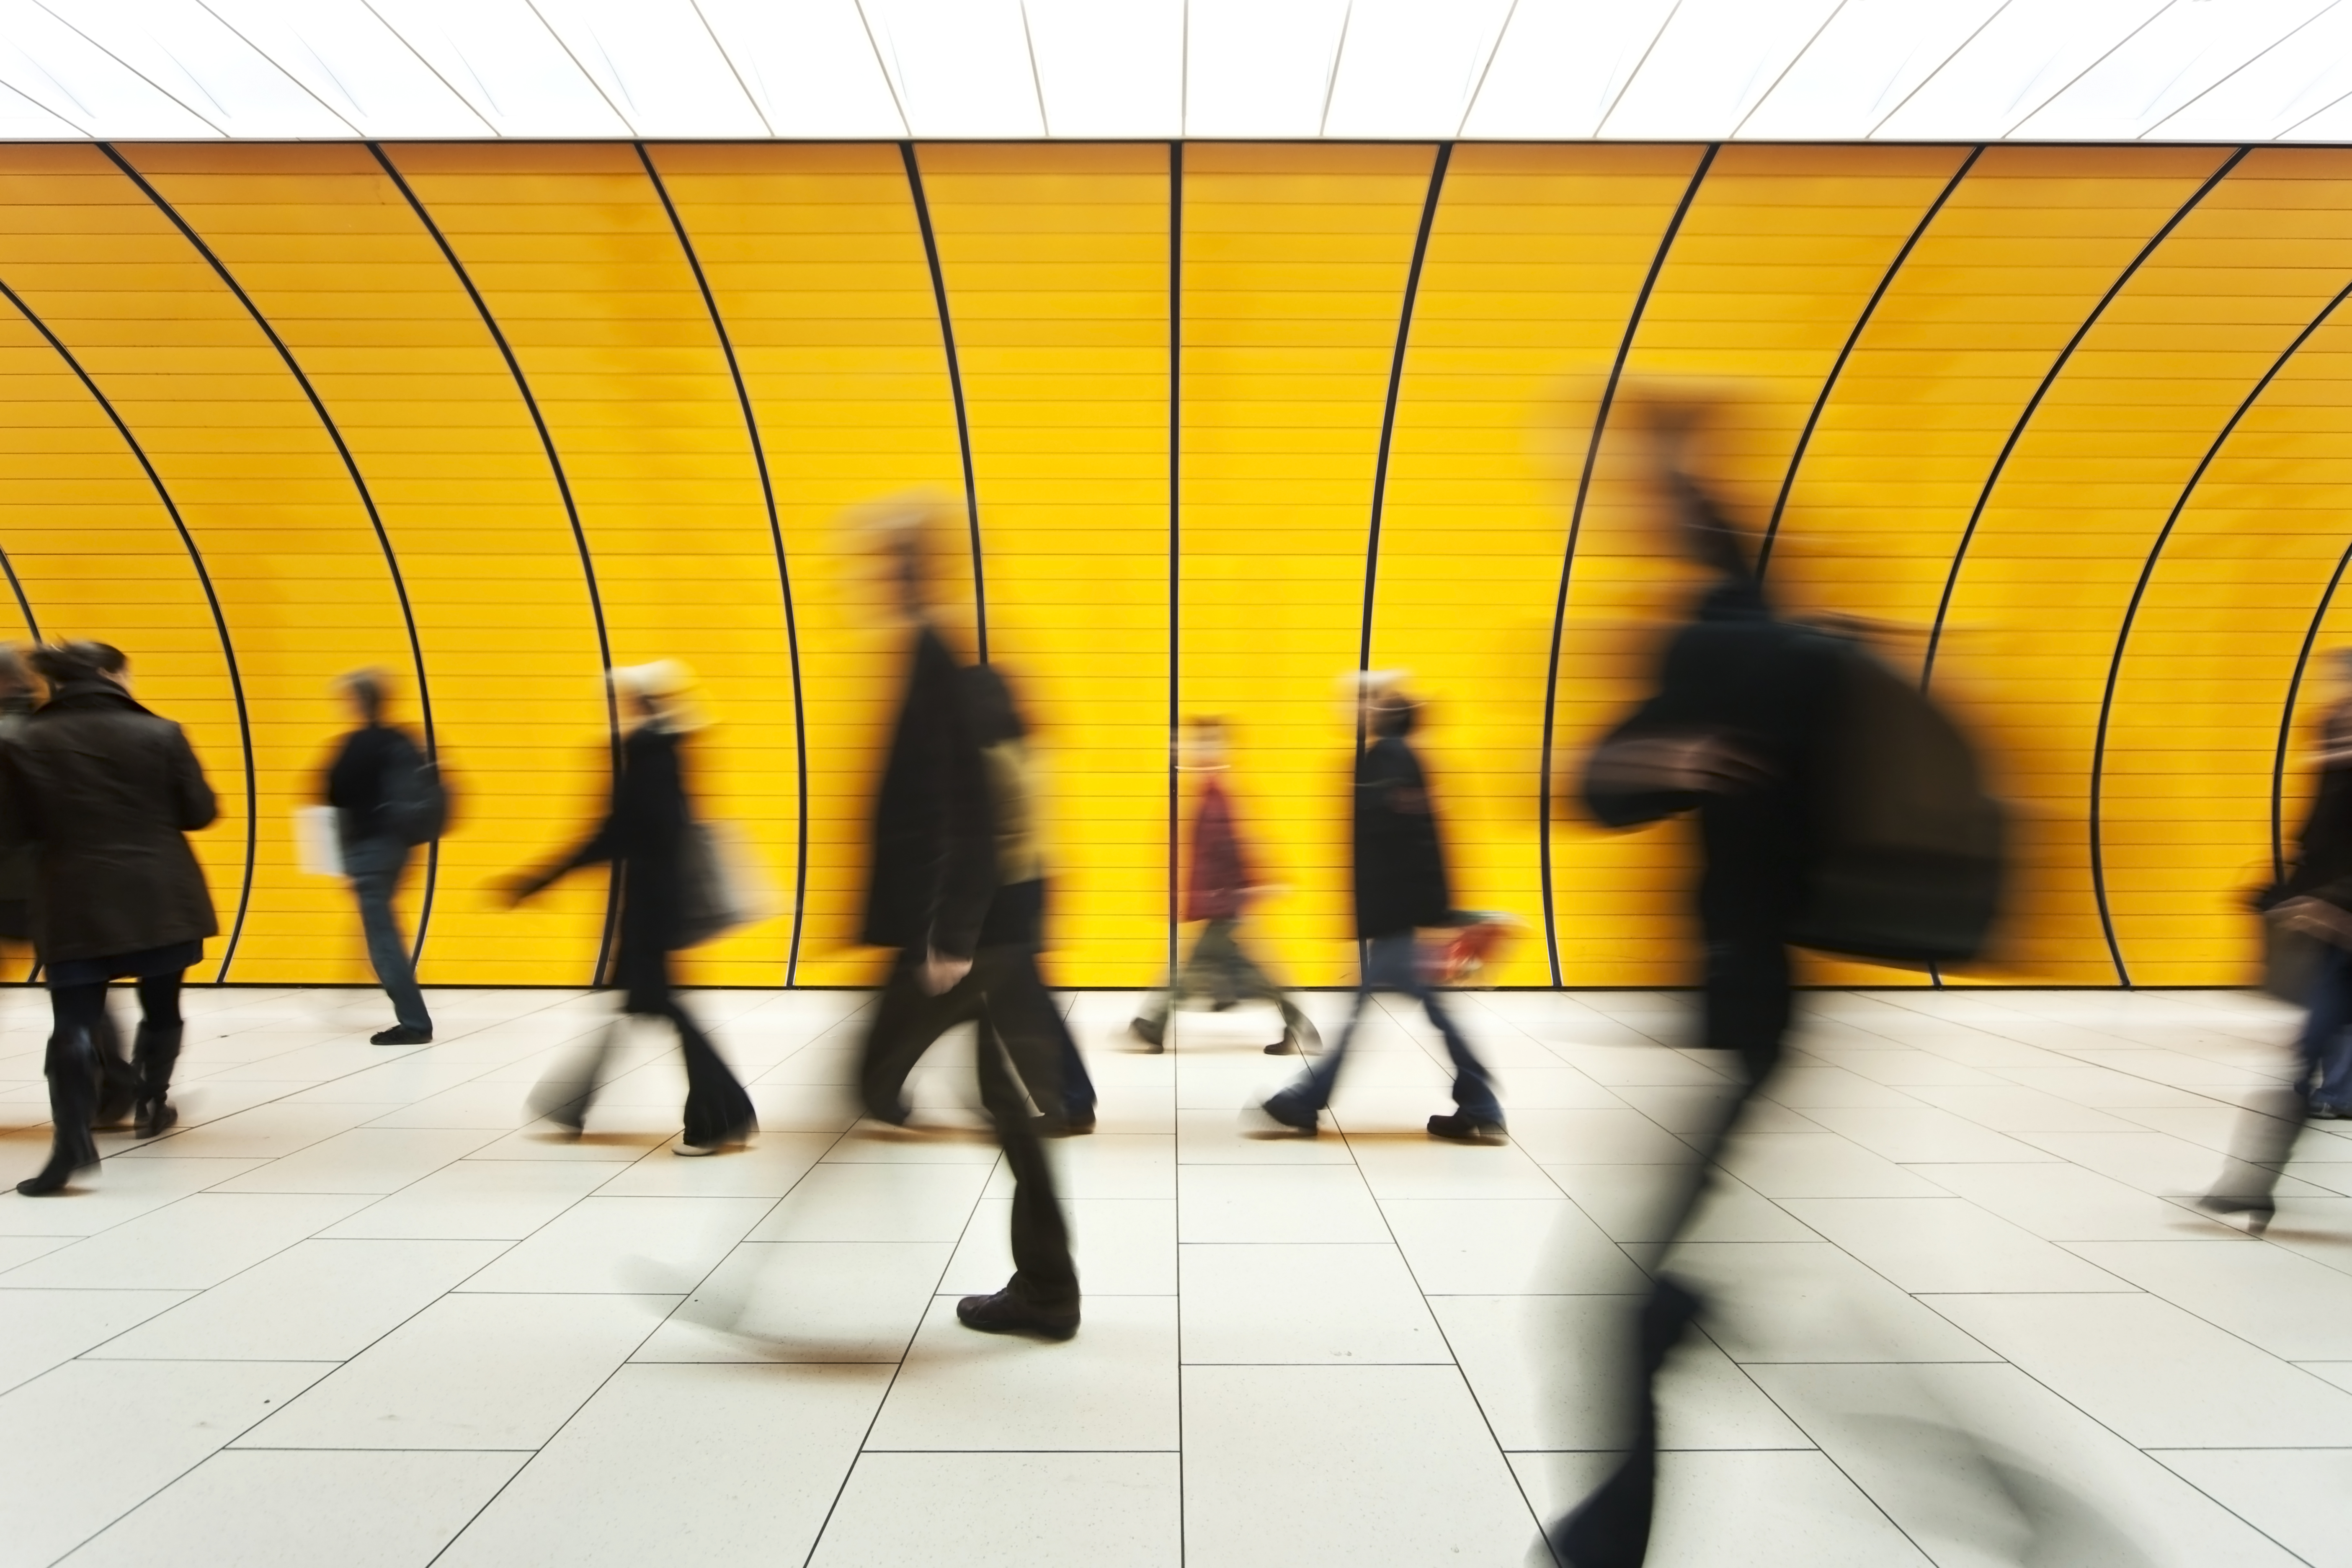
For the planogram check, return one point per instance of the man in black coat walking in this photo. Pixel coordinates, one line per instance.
(1400, 887)
(966, 938)
(109, 792)
(371, 784)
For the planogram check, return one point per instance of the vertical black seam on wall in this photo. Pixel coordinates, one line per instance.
(776, 534)
(204, 579)
(1575, 526)
(2001, 462)
(1862, 324)
(358, 483)
(1175, 513)
(2287, 713)
(1389, 412)
(2131, 614)
(32, 626)
(2034, 403)
(955, 388)
(571, 511)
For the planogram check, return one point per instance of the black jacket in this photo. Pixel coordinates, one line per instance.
(933, 874)
(2323, 861)
(1772, 688)
(359, 780)
(108, 790)
(1400, 865)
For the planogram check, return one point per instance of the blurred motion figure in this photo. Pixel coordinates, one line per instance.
(385, 796)
(1218, 892)
(109, 791)
(644, 837)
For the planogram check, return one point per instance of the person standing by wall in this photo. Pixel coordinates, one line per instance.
(1218, 892)
(374, 784)
(1400, 887)
(644, 837)
(109, 792)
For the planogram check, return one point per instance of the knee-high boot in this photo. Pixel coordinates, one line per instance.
(73, 1094)
(152, 1056)
(117, 1080)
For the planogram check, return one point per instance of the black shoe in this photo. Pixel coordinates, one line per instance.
(154, 1116)
(1076, 1124)
(2257, 1211)
(1010, 1313)
(892, 1116)
(1154, 1036)
(1458, 1128)
(1311, 1124)
(401, 1034)
(54, 1175)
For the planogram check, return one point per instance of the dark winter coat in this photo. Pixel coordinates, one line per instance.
(643, 836)
(1770, 686)
(1401, 881)
(934, 872)
(362, 780)
(108, 790)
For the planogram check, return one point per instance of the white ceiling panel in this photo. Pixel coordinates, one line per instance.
(502, 59)
(1560, 65)
(1682, 70)
(658, 63)
(809, 65)
(345, 55)
(2027, 54)
(2182, 52)
(1408, 68)
(1260, 68)
(1866, 60)
(1713, 62)
(1110, 69)
(963, 67)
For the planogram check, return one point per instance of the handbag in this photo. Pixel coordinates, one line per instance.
(2291, 959)
(720, 884)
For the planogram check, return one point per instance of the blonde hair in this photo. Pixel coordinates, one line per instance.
(668, 688)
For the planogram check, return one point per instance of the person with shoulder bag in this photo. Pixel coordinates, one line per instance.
(648, 837)
(2310, 908)
(109, 792)
(384, 791)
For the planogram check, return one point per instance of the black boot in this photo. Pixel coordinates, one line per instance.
(72, 1072)
(118, 1081)
(157, 1049)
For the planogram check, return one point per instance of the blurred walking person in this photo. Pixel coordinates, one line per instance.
(386, 797)
(1401, 888)
(951, 889)
(645, 839)
(2313, 900)
(1218, 891)
(109, 791)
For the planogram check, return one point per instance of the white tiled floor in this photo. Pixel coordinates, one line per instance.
(359, 1309)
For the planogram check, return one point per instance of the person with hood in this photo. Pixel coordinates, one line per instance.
(109, 792)
(1401, 888)
(644, 838)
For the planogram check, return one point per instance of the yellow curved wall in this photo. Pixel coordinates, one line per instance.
(2074, 413)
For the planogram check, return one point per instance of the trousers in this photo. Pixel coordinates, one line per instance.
(1393, 964)
(77, 1068)
(1018, 1059)
(375, 866)
(1223, 970)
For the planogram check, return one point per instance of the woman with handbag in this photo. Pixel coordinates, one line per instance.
(649, 837)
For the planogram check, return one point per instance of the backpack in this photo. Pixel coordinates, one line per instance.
(1908, 846)
(417, 801)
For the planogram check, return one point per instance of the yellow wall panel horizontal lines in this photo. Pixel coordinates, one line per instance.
(1176, 475)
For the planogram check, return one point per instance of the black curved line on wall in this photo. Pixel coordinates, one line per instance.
(24, 604)
(955, 387)
(2131, 613)
(571, 511)
(204, 579)
(2034, 403)
(2287, 713)
(358, 483)
(775, 534)
(1175, 494)
(1861, 323)
(1389, 413)
(1544, 782)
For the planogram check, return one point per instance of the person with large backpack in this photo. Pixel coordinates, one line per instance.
(388, 799)
(1837, 808)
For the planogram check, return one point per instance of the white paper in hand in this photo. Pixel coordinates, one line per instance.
(317, 841)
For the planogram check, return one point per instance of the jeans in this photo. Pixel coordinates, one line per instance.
(374, 866)
(2273, 1116)
(1393, 963)
(2327, 1043)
